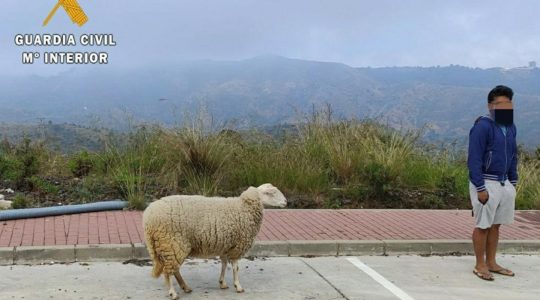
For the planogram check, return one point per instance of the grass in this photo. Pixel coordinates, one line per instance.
(133, 165)
(320, 162)
(528, 188)
(196, 160)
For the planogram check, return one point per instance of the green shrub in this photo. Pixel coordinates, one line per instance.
(528, 188)
(430, 201)
(81, 164)
(20, 201)
(29, 154)
(92, 188)
(42, 186)
(134, 165)
(11, 169)
(379, 180)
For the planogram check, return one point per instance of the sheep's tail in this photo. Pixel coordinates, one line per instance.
(157, 268)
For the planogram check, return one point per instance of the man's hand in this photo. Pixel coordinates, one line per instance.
(483, 196)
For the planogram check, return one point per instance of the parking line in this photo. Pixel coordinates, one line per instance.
(380, 279)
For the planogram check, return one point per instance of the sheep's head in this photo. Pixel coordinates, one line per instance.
(270, 196)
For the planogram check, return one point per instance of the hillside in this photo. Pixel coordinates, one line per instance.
(269, 90)
(64, 138)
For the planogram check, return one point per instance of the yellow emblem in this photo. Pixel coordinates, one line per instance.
(72, 8)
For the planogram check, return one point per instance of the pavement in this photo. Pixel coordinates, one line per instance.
(118, 235)
(291, 278)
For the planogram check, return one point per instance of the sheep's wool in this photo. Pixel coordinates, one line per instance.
(179, 226)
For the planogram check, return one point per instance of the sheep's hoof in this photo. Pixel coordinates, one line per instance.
(223, 285)
(239, 289)
(188, 290)
(173, 296)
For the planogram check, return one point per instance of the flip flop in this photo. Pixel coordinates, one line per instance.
(504, 272)
(483, 275)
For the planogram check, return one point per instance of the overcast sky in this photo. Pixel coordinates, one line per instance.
(358, 33)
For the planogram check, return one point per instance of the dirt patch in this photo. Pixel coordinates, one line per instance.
(139, 262)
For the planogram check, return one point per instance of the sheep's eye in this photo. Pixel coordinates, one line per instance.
(270, 192)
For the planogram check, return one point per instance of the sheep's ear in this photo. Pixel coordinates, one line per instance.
(266, 185)
(251, 193)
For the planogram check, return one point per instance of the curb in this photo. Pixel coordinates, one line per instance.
(120, 252)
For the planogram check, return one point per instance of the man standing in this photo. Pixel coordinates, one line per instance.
(492, 163)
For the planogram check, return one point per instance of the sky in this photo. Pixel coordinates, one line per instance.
(354, 32)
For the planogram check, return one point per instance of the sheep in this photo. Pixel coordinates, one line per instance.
(179, 226)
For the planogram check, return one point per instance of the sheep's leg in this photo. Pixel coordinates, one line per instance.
(222, 283)
(170, 287)
(181, 282)
(235, 269)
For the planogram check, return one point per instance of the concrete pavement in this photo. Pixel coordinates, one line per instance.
(325, 278)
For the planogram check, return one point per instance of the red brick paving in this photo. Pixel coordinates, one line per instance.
(124, 227)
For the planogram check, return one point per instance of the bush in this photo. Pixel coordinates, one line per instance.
(197, 156)
(528, 187)
(42, 186)
(134, 165)
(81, 164)
(92, 188)
(11, 169)
(20, 201)
(379, 180)
(290, 166)
(29, 154)
(430, 201)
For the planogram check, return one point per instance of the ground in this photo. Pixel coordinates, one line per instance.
(364, 277)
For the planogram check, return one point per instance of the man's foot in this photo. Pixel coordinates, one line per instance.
(495, 268)
(486, 275)
(503, 271)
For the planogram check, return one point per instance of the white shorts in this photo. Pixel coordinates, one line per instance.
(499, 209)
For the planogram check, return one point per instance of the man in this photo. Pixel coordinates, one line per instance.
(492, 163)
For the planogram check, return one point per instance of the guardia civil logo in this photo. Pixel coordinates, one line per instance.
(72, 8)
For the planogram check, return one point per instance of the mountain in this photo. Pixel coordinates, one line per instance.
(65, 138)
(268, 90)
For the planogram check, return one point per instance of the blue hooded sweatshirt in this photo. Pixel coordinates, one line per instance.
(492, 154)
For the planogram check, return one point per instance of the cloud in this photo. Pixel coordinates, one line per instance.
(358, 33)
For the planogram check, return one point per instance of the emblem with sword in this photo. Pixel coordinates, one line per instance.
(72, 8)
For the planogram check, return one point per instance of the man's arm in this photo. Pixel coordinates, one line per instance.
(477, 147)
(512, 172)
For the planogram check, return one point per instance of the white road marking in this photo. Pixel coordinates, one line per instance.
(380, 279)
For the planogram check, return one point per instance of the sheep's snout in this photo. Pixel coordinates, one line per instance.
(271, 196)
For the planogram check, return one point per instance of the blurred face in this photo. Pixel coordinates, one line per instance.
(501, 110)
(500, 102)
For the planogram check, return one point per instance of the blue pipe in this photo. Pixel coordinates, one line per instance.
(12, 214)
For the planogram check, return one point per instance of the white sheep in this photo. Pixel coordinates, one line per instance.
(179, 226)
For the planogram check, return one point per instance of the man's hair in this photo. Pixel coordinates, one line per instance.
(500, 90)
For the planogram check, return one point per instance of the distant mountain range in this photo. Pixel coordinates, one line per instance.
(270, 90)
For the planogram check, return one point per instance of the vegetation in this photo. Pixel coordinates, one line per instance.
(321, 163)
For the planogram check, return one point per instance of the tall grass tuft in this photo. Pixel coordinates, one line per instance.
(528, 187)
(197, 157)
(134, 165)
